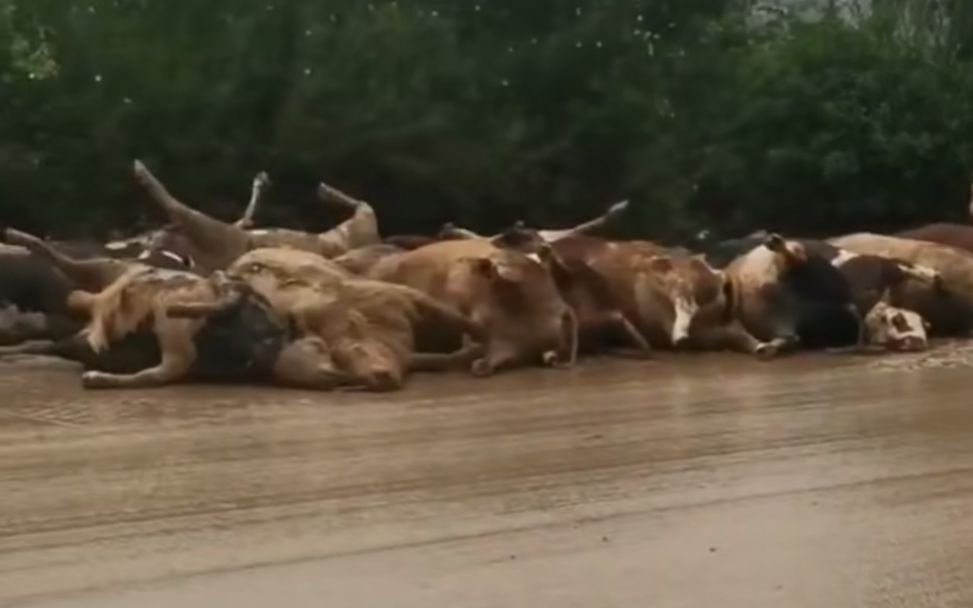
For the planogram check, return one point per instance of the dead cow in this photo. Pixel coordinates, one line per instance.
(369, 325)
(218, 243)
(667, 299)
(361, 260)
(790, 298)
(947, 303)
(896, 329)
(943, 233)
(237, 336)
(513, 297)
(36, 276)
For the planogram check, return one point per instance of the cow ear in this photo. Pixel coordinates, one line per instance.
(485, 267)
(660, 264)
(546, 254)
(775, 243)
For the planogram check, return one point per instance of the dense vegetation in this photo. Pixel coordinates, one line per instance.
(705, 113)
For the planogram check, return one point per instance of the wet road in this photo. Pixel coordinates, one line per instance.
(710, 481)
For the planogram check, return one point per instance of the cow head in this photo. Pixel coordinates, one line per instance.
(522, 309)
(681, 286)
(896, 329)
(788, 254)
(521, 238)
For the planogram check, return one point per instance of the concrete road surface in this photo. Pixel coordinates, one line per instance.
(699, 481)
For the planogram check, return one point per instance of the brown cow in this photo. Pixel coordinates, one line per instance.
(942, 233)
(368, 325)
(511, 295)
(361, 260)
(789, 297)
(655, 295)
(948, 303)
(218, 244)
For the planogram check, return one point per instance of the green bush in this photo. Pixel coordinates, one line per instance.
(484, 113)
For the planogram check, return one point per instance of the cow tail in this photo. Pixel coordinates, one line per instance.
(732, 298)
(570, 323)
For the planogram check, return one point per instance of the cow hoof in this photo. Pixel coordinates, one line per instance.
(481, 368)
(140, 171)
(766, 350)
(95, 380)
(549, 359)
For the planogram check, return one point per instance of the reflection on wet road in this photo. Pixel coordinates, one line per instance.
(711, 481)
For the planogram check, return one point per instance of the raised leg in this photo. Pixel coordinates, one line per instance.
(260, 183)
(360, 230)
(94, 274)
(219, 242)
(601, 221)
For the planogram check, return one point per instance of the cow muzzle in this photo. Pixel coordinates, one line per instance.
(908, 344)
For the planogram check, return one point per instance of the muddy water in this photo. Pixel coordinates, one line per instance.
(711, 481)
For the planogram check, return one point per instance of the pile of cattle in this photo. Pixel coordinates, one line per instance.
(201, 299)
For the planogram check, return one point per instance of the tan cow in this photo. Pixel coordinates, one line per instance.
(369, 325)
(219, 244)
(246, 341)
(511, 295)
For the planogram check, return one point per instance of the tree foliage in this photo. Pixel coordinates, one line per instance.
(713, 114)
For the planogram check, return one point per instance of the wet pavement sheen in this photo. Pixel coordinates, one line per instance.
(815, 481)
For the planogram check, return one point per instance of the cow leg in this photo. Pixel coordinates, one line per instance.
(431, 310)
(261, 181)
(440, 362)
(94, 274)
(618, 322)
(599, 222)
(17, 327)
(224, 241)
(567, 352)
(34, 347)
(733, 336)
(360, 230)
(497, 357)
(178, 354)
